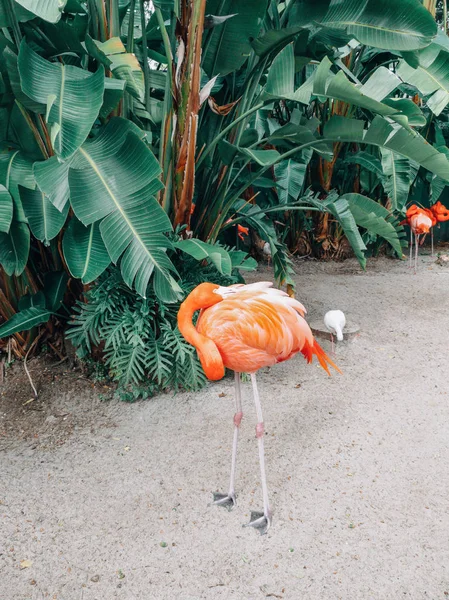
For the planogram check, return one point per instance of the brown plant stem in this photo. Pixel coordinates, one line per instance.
(188, 105)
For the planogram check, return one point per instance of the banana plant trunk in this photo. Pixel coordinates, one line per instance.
(187, 105)
(431, 6)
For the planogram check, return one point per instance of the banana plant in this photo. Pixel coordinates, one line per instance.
(121, 121)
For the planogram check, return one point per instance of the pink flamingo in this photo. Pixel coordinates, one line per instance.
(245, 328)
(419, 222)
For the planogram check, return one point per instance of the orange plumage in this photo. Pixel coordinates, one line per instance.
(429, 213)
(420, 223)
(252, 326)
(244, 328)
(440, 212)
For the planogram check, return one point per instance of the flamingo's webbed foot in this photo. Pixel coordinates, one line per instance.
(228, 501)
(260, 521)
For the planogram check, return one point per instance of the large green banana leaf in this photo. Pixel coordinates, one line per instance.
(52, 177)
(48, 10)
(325, 84)
(113, 178)
(5, 209)
(124, 65)
(15, 170)
(84, 251)
(20, 13)
(376, 219)
(261, 157)
(55, 285)
(409, 109)
(241, 261)
(296, 135)
(389, 24)
(290, 176)
(44, 219)
(104, 176)
(68, 34)
(381, 84)
(24, 320)
(274, 39)
(218, 256)
(338, 87)
(396, 178)
(342, 212)
(380, 132)
(431, 77)
(353, 211)
(113, 93)
(281, 74)
(14, 248)
(281, 79)
(255, 217)
(73, 97)
(21, 133)
(227, 46)
(11, 59)
(367, 161)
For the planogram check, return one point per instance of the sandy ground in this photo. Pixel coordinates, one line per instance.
(105, 500)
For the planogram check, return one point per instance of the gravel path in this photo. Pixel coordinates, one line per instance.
(120, 505)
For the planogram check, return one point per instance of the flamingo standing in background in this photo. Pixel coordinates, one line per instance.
(423, 220)
(419, 222)
(244, 328)
(440, 212)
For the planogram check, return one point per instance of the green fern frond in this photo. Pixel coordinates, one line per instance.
(159, 363)
(143, 349)
(128, 365)
(175, 343)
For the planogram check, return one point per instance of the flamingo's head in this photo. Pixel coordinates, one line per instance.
(208, 294)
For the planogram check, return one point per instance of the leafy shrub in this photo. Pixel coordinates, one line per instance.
(137, 337)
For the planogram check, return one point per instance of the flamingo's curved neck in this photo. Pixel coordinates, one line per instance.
(208, 352)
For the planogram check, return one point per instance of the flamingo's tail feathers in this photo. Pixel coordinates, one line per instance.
(315, 349)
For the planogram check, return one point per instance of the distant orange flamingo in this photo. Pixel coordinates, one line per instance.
(245, 328)
(423, 220)
(419, 222)
(440, 212)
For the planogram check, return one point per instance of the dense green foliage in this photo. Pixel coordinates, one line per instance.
(306, 121)
(139, 340)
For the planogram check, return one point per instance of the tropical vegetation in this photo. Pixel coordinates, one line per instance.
(143, 141)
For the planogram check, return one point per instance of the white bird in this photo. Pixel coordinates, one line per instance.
(267, 250)
(335, 322)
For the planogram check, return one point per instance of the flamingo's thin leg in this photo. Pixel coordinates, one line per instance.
(416, 251)
(261, 521)
(332, 343)
(229, 500)
(411, 248)
(431, 238)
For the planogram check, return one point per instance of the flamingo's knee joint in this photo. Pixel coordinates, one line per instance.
(238, 419)
(260, 430)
